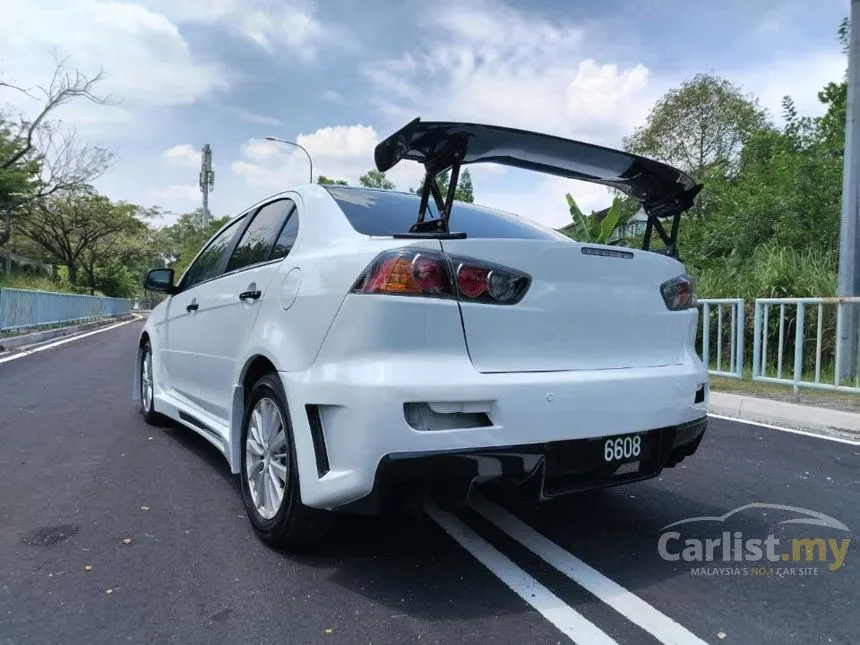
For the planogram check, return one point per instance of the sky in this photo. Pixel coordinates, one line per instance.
(337, 76)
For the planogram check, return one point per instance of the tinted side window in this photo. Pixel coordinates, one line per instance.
(258, 238)
(208, 263)
(384, 213)
(287, 237)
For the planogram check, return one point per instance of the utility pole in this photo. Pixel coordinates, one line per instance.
(849, 263)
(207, 180)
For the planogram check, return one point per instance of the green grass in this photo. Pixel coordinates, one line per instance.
(835, 400)
(38, 283)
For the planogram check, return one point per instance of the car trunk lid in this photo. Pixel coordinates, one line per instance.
(588, 307)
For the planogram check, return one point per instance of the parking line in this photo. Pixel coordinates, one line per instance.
(68, 339)
(805, 433)
(565, 618)
(620, 599)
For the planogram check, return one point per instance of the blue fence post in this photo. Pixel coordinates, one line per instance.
(757, 324)
(741, 347)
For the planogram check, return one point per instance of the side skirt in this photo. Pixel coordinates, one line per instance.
(215, 433)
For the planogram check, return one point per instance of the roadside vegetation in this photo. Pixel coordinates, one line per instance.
(767, 222)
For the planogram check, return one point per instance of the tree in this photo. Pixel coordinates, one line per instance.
(376, 179)
(326, 180)
(38, 157)
(700, 127)
(17, 178)
(181, 242)
(465, 191)
(69, 223)
(117, 263)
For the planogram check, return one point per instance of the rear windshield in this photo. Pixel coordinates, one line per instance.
(384, 213)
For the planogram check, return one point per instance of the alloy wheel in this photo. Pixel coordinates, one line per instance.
(146, 388)
(266, 462)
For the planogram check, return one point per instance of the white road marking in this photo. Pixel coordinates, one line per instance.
(565, 618)
(620, 599)
(68, 339)
(805, 433)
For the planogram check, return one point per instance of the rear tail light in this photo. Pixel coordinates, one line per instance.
(493, 284)
(679, 293)
(409, 272)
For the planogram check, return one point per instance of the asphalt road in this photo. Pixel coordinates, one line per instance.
(80, 472)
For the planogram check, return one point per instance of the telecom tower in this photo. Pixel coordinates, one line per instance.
(207, 180)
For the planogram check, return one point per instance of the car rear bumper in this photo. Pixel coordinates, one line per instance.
(354, 421)
(529, 472)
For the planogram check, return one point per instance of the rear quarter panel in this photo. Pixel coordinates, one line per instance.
(306, 293)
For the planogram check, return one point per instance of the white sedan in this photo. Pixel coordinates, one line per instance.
(341, 346)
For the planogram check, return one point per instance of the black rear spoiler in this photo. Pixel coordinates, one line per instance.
(662, 190)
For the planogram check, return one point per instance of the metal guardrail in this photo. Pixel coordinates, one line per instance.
(728, 330)
(809, 368)
(23, 309)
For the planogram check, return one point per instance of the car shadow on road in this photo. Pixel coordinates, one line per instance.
(400, 560)
(203, 450)
(405, 562)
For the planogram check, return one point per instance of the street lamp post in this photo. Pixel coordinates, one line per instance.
(293, 143)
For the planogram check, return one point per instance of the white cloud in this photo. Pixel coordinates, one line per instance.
(339, 152)
(799, 77)
(177, 196)
(493, 63)
(253, 117)
(269, 25)
(544, 202)
(146, 61)
(183, 155)
(332, 96)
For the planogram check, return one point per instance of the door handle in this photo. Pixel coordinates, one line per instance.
(250, 295)
(192, 307)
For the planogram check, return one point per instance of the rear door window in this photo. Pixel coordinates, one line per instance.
(208, 264)
(256, 242)
(287, 238)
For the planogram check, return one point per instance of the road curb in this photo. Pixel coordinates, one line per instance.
(14, 343)
(833, 423)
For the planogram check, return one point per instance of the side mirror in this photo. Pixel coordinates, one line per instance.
(160, 280)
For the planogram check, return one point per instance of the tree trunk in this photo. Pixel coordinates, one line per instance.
(6, 233)
(73, 273)
(91, 282)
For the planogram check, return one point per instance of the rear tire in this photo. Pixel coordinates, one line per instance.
(147, 387)
(271, 492)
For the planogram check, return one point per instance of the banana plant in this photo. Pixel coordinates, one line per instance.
(588, 229)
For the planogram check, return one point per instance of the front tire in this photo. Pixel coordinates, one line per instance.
(147, 387)
(269, 471)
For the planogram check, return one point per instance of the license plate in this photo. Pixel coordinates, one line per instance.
(625, 448)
